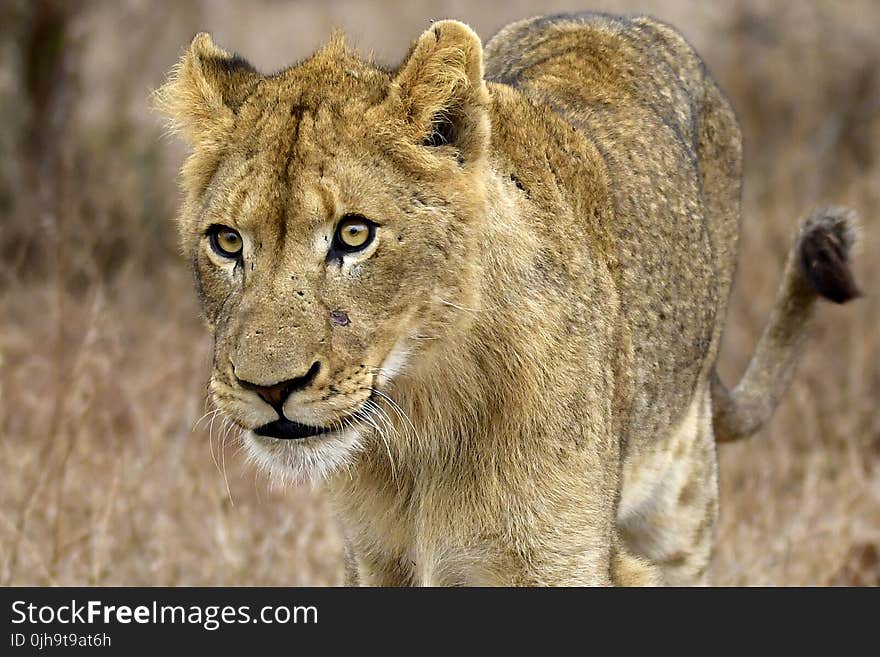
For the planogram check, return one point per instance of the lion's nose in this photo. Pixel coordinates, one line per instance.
(276, 394)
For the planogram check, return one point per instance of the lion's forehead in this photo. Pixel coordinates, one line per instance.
(288, 141)
(308, 101)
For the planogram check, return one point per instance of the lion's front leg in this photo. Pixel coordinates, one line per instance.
(572, 561)
(614, 567)
(375, 569)
(561, 531)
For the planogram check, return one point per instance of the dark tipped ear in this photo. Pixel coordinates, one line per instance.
(205, 89)
(440, 90)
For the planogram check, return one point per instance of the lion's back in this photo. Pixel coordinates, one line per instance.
(671, 147)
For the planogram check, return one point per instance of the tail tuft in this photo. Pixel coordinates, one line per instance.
(824, 245)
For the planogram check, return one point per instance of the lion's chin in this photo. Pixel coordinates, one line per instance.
(313, 459)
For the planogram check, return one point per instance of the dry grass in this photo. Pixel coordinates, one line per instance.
(104, 361)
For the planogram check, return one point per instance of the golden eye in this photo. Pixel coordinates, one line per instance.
(226, 241)
(354, 233)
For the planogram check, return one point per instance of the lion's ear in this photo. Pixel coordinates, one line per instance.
(204, 91)
(440, 90)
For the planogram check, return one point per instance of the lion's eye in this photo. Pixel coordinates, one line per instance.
(354, 233)
(226, 241)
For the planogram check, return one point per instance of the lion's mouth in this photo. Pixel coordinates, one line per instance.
(285, 429)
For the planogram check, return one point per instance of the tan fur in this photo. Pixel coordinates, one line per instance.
(539, 314)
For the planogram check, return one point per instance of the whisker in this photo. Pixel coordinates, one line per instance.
(241, 443)
(397, 409)
(211, 441)
(227, 428)
(212, 413)
(386, 371)
(347, 424)
(456, 306)
(371, 407)
(411, 433)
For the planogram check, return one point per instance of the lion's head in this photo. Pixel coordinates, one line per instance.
(333, 220)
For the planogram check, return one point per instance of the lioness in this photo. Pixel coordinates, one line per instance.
(481, 294)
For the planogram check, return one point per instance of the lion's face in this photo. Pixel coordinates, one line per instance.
(332, 218)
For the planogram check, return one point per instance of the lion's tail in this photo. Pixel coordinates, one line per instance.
(817, 266)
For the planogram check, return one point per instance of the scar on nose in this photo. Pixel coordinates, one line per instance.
(339, 318)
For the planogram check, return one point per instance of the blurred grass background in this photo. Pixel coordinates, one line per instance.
(103, 360)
